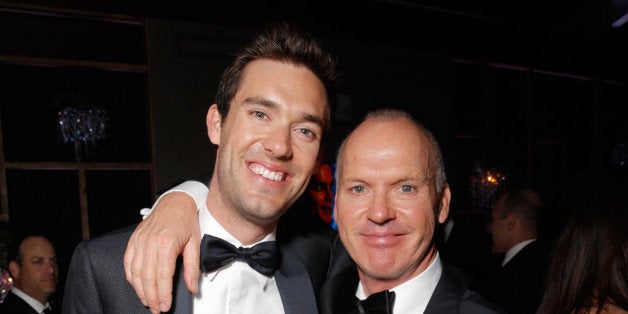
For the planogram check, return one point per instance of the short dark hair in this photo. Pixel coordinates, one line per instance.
(526, 203)
(13, 251)
(283, 42)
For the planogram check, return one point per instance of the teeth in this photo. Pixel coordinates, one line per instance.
(270, 175)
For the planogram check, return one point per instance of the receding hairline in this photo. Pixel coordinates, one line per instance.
(436, 168)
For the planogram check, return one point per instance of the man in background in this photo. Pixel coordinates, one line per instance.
(514, 228)
(33, 266)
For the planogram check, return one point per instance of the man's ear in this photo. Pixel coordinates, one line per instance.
(445, 199)
(14, 268)
(214, 124)
(510, 221)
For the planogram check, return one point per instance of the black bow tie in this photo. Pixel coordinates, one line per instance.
(216, 253)
(381, 302)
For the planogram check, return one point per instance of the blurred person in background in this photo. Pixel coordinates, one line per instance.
(33, 267)
(589, 265)
(514, 228)
(320, 190)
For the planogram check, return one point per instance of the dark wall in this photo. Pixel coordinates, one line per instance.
(187, 59)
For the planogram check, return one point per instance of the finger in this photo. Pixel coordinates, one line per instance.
(132, 268)
(128, 260)
(147, 278)
(191, 262)
(166, 264)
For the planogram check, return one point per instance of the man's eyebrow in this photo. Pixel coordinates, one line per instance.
(271, 104)
(260, 101)
(311, 118)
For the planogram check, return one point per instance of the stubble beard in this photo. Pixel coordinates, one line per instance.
(254, 208)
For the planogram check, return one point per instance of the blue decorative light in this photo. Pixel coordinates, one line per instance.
(82, 127)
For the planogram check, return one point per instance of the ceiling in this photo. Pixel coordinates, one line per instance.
(574, 36)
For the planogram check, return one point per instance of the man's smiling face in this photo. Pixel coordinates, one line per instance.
(268, 145)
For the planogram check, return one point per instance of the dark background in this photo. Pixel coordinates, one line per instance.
(534, 90)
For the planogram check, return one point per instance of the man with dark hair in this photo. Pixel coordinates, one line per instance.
(33, 268)
(269, 119)
(514, 228)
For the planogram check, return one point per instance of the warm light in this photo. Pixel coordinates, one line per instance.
(486, 184)
(490, 179)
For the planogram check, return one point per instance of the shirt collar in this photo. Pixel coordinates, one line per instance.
(514, 250)
(36, 305)
(413, 295)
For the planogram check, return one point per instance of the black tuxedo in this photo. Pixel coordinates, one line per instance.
(520, 283)
(13, 304)
(96, 282)
(451, 295)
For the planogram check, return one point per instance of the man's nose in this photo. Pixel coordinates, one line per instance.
(380, 210)
(277, 143)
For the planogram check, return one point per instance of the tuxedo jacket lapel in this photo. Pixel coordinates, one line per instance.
(302, 269)
(338, 294)
(446, 296)
(293, 281)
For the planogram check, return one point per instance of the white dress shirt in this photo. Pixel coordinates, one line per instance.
(36, 305)
(236, 288)
(514, 250)
(413, 295)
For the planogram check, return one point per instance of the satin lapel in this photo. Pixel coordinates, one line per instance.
(338, 294)
(447, 295)
(293, 281)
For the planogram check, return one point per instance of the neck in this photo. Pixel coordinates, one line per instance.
(247, 230)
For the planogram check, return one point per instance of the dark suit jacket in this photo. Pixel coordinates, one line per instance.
(15, 305)
(469, 248)
(520, 283)
(96, 282)
(452, 294)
